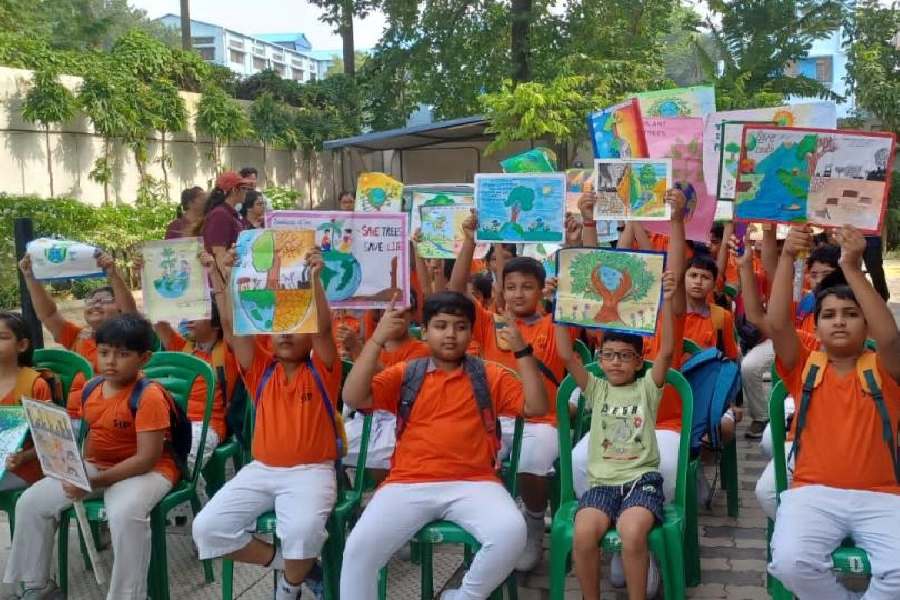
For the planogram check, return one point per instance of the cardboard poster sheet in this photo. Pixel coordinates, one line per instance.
(175, 284)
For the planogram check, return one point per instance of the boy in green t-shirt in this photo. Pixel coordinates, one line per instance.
(623, 464)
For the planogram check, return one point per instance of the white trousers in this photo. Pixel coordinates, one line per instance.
(813, 520)
(302, 498)
(397, 511)
(10, 481)
(540, 446)
(212, 441)
(667, 441)
(382, 440)
(756, 367)
(766, 492)
(128, 505)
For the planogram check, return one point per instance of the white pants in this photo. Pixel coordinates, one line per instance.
(668, 443)
(398, 510)
(813, 520)
(302, 498)
(766, 493)
(212, 441)
(382, 440)
(10, 481)
(540, 446)
(756, 367)
(128, 505)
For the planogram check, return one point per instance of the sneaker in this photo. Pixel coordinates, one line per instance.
(652, 579)
(283, 591)
(48, 592)
(534, 544)
(314, 584)
(755, 431)
(616, 572)
(450, 595)
(704, 493)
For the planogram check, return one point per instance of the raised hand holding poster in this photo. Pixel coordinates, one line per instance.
(271, 285)
(817, 176)
(617, 131)
(13, 429)
(442, 235)
(579, 181)
(697, 101)
(62, 259)
(377, 192)
(520, 207)
(175, 285)
(366, 255)
(618, 290)
(632, 189)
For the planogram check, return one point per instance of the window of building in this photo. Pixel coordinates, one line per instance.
(297, 64)
(207, 53)
(236, 43)
(278, 68)
(201, 41)
(823, 70)
(298, 75)
(236, 57)
(259, 63)
(312, 76)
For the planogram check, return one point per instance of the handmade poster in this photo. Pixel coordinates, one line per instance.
(377, 192)
(13, 429)
(429, 190)
(617, 131)
(271, 286)
(175, 284)
(366, 255)
(808, 114)
(822, 177)
(632, 189)
(617, 290)
(680, 140)
(520, 207)
(545, 254)
(730, 138)
(55, 443)
(62, 259)
(536, 160)
(456, 195)
(442, 235)
(697, 101)
(579, 181)
(724, 211)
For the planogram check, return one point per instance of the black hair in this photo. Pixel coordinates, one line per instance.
(215, 320)
(526, 266)
(449, 263)
(705, 262)
(717, 231)
(484, 284)
(248, 171)
(840, 291)
(449, 303)
(346, 193)
(635, 341)
(511, 248)
(20, 329)
(250, 199)
(188, 196)
(100, 290)
(131, 332)
(827, 254)
(216, 197)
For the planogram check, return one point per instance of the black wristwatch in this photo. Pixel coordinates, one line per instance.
(526, 351)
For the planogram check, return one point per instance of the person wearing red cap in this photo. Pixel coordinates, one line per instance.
(222, 222)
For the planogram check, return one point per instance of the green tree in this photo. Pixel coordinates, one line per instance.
(339, 14)
(873, 60)
(519, 199)
(337, 64)
(634, 281)
(269, 118)
(48, 102)
(221, 118)
(647, 176)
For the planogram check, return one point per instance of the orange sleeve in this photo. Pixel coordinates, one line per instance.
(262, 356)
(73, 402)
(331, 378)
(386, 388)
(483, 326)
(731, 347)
(507, 391)
(793, 378)
(69, 335)
(176, 343)
(41, 390)
(153, 411)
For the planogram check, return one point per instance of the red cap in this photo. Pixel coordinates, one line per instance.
(229, 180)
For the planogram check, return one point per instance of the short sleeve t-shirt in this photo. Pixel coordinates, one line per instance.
(196, 407)
(445, 438)
(221, 227)
(79, 340)
(622, 445)
(30, 471)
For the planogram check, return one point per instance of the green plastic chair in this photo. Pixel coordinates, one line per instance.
(583, 351)
(175, 371)
(447, 532)
(230, 449)
(847, 558)
(65, 365)
(415, 332)
(346, 511)
(667, 541)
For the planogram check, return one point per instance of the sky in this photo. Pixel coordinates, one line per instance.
(270, 16)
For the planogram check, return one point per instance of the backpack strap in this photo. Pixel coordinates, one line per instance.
(25, 382)
(329, 408)
(475, 369)
(717, 316)
(545, 371)
(267, 374)
(134, 400)
(812, 377)
(867, 368)
(89, 388)
(413, 376)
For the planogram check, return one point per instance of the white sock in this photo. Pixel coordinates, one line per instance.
(277, 561)
(287, 590)
(535, 515)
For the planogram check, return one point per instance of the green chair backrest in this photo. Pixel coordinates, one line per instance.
(415, 331)
(563, 428)
(65, 364)
(690, 347)
(583, 351)
(776, 423)
(177, 371)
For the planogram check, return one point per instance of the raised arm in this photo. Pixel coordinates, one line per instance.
(753, 305)
(640, 234)
(586, 204)
(121, 292)
(358, 387)
(44, 306)
(165, 333)
(675, 252)
(779, 316)
(243, 346)
(573, 232)
(882, 327)
(536, 403)
(568, 356)
(769, 250)
(667, 344)
(722, 257)
(422, 271)
(459, 278)
(322, 341)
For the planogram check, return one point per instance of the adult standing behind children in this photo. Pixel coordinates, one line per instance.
(190, 214)
(253, 210)
(346, 201)
(223, 223)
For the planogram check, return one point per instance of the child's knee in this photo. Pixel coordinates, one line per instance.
(793, 561)
(207, 526)
(306, 529)
(590, 527)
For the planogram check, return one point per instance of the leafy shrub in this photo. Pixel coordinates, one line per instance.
(282, 198)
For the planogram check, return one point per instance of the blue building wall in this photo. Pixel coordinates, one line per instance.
(826, 61)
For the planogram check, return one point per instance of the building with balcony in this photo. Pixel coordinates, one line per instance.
(826, 62)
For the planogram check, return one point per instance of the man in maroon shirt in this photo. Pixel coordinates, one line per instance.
(223, 223)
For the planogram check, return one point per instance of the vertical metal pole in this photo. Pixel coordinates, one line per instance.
(23, 232)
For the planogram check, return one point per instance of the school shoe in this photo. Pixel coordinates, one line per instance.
(755, 430)
(48, 592)
(450, 595)
(314, 582)
(617, 575)
(534, 544)
(9, 591)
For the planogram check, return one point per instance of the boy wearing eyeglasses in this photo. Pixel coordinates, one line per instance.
(623, 466)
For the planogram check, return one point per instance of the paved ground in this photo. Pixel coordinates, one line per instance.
(732, 550)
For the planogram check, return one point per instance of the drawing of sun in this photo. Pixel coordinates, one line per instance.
(547, 190)
(784, 118)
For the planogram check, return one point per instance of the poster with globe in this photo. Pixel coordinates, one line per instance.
(366, 255)
(175, 285)
(54, 260)
(377, 192)
(271, 286)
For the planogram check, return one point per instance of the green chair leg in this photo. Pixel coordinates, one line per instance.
(691, 529)
(427, 570)
(62, 553)
(382, 583)
(560, 550)
(227, 579)
(729, 468)
(208, 575)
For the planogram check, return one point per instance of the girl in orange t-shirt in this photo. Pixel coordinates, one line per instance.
(17, 380)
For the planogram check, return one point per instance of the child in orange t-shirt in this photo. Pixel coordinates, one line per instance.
(18, 379)
(444, 463)
(127, 462)
(846, 474)
(294, 387)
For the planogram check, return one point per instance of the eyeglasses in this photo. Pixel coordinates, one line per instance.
(624, 356)
(90, 302)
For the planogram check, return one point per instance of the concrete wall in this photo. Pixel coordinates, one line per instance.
(74, 146)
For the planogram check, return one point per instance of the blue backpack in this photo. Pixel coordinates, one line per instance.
(715, 382)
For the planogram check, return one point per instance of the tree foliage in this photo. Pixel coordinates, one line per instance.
(584, 264)
(48, 102)
(221, 118)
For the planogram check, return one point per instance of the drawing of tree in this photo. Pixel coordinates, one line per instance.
(816, 146)
(732, 149)
(647, 177)
(635, 281)
(519, 199)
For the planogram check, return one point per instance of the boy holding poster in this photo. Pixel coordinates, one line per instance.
(294, 384)
(127, 461)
